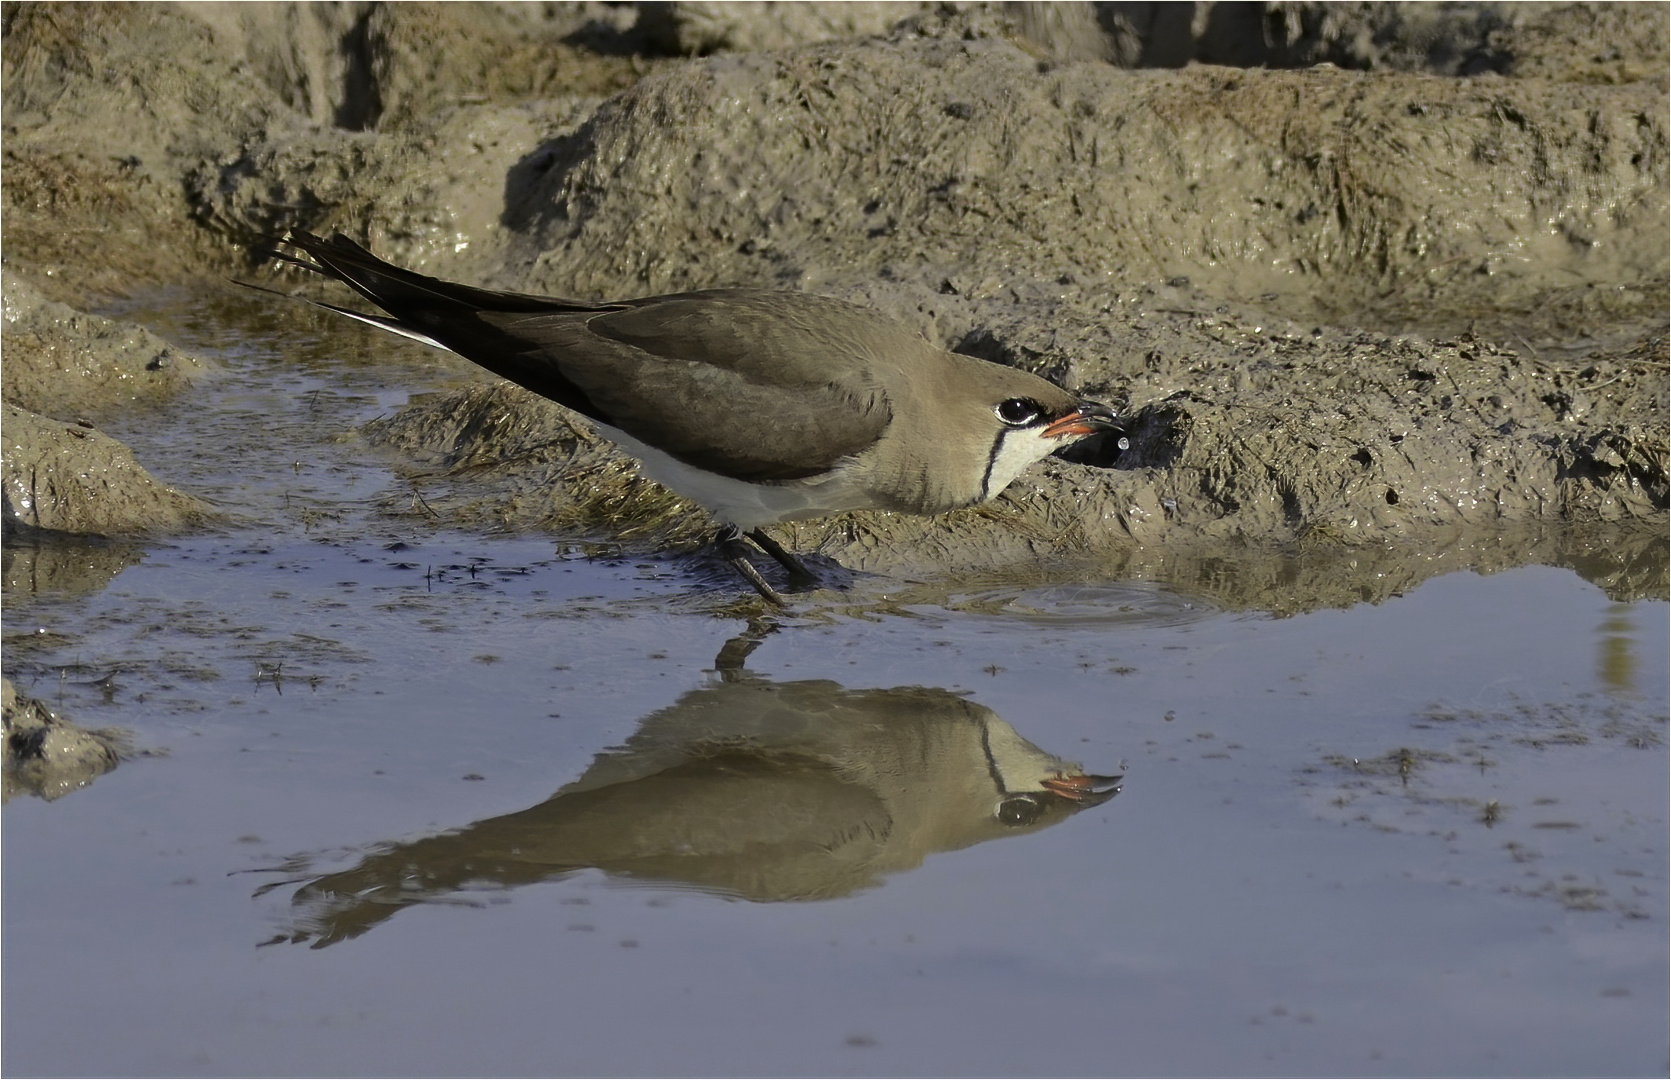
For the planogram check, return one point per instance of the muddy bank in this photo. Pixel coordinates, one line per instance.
(496, 457)
(64, 362)
(46, 755)
(1344, 309)
(1458, 435)
(72, 478)
(65, 370)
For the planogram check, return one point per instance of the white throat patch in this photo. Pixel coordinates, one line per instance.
(1014, 451)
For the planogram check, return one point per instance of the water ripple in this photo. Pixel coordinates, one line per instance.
(1124, 603)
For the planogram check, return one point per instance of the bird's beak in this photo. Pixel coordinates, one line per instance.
(1088, 419)
(1082, 787)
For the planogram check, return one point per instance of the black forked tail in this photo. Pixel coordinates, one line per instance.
(459, 318)
(408, 295)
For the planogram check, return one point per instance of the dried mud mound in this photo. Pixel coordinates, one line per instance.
(1322, 193)
(59, 473)
(72, 478)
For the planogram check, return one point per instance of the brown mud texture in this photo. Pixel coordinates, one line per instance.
(1364, 278)
(44, 755)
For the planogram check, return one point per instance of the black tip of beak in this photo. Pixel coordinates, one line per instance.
(1101, 436)
(1087, 418)
(1101, 789)
(1099, 416)
(1079, 787)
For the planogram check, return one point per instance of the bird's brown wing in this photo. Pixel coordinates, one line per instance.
(757, 385)
(787, 338)
(707, 406)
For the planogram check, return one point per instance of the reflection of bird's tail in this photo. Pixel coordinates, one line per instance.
(439, 869)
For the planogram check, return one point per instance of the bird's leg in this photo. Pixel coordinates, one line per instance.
(730, 544)
(785, 559)
(735, 653)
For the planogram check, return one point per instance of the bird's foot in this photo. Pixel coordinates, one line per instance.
(798, 571)
(729, 541)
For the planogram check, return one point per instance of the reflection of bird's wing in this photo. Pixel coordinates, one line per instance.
(738, 823)
(804, 720)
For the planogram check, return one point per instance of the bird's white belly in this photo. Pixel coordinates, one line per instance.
(738, 502)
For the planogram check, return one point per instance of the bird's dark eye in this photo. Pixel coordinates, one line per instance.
(1019, 810)
(1019, 411)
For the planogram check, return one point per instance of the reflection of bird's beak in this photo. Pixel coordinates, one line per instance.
(1083, 787)
(1088, 419)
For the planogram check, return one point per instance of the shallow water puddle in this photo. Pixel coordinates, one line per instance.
(1424, 836)
(435, 803)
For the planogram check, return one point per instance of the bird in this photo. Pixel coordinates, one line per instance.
(762, 406)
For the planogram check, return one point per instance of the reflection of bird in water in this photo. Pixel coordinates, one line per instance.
(768, 791)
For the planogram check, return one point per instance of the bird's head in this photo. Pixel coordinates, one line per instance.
(1034, 426)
